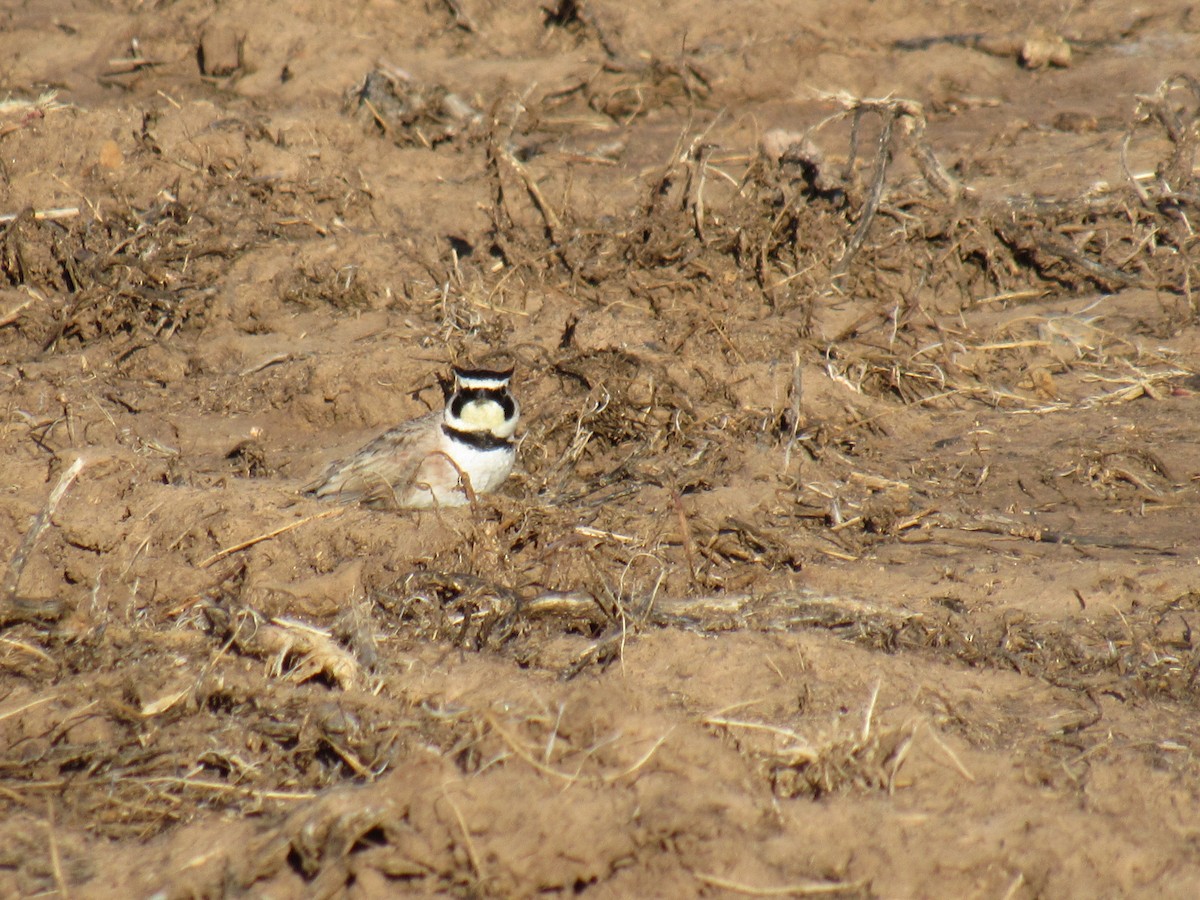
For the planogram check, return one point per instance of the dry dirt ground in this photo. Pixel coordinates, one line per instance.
(852, 546)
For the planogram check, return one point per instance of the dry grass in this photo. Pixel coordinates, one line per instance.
(840, 758)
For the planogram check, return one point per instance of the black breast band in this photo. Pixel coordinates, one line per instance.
(480, 440)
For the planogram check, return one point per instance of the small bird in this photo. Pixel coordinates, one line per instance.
(441, 459)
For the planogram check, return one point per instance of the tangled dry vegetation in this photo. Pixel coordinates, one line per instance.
(852, 245)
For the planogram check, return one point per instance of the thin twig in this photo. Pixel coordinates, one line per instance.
(62, 212)
(685, 535)
(221, 554)
(461, 17)
(472, 853)
(796, 889)
(15, 313)
(646, 757)
(8, 589)
(794, 428)
(60, 879)
(524, 754)
(883, 156)
(951, 755)
(222, 788)
(9, 713)
(553, 223)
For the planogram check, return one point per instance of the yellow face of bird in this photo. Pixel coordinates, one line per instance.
(485, 415)
(481, 402)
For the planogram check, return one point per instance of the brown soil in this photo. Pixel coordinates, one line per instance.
(852, 545)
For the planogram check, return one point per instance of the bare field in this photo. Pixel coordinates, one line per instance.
(851, 549)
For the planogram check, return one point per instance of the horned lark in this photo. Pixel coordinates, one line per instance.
(439, 459)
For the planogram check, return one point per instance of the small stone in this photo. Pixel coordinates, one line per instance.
(111, 156)
(220, 51)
